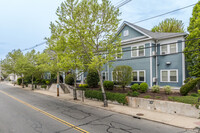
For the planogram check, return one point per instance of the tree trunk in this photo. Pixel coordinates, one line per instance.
(103, 90)
(32, 83)
(74, 90)
(22, 82)
(14, 78)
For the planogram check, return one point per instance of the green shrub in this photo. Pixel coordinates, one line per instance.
(135, 94)
(108, 85)
(184, 99)
(120, 98)
(187, 80)
(135, 87)
(194, 95)
(158, 97)
(147, 96)
(155, 89)
(47, 82)
(92, 78)
(44, 86)
(69, 79)
(143, 87)
(190, 85)
(167, 89)
(19, 81)
(198, 91)
(26, 85)
(83, 86)
(122, 74)
(94, 94)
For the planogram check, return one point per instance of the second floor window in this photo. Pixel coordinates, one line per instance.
(169, 49)
(137, 51)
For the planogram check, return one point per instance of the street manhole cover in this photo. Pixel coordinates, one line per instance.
(139, 114)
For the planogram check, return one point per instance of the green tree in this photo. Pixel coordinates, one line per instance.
(56, 46)
(169, 25)
(23, 67)
(68, 51)
(33, 60)
(122, 74)
(92, 78)
(9, 63)
(192, 50)
(95, 26)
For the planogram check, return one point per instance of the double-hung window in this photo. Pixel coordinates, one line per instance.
(139, 76)
(116, 76)
(137, 51)
(105, 75)
(169, 49)
(169, 75)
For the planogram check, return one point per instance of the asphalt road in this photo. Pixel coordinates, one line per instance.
(24, 111)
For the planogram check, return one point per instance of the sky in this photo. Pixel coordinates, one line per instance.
(25, 23)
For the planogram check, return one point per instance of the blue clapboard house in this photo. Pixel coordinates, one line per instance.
(156, 58)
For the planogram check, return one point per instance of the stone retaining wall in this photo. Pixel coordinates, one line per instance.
(164, 106)
(155, 105)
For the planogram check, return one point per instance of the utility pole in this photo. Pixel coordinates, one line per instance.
(58, 83)
(58, 78)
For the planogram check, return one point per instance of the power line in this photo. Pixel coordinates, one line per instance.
(122, 3)
(163, 44)
(164, 13)
(134, 58)
(34, 46)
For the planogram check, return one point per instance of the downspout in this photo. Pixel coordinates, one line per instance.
(156, 50)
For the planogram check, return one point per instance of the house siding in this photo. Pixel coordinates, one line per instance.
(176, 63)
(151, 63)
(132, 33)
(137, 63)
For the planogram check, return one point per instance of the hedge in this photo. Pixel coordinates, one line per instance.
(184, 99)
(190, 85)
(120, 98)
(69, 79)
(108, 85)
(19, 81)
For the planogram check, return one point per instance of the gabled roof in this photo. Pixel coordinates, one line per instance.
(150, 34)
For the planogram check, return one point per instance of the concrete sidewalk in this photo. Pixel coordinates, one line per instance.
(169, 119)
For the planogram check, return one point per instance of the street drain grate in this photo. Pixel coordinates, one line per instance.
(140, 114)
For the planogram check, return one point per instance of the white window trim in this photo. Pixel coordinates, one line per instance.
(119, 53)
(168, 49)
(138, 76)
(168, 74)
(137, 49)
(112, 75)
(106, 75)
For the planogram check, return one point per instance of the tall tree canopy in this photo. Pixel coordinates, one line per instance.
(192, 50)
(10, 62)
(169, 25)
(89, 27)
